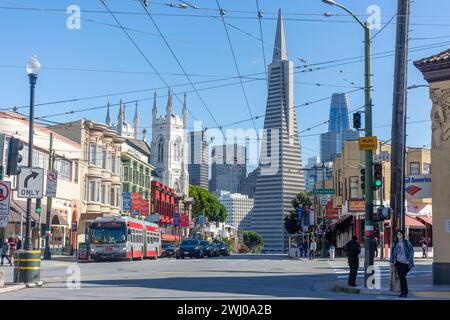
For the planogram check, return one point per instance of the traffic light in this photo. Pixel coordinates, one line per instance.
(14, 157)
(38, 206)
(377, 175)
(357, 120)
(363, 181)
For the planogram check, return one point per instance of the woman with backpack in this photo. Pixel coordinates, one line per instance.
(402, 257)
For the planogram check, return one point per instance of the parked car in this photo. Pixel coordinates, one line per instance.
(224, 249)
(208, 248)
(168, 250)
(190, 248)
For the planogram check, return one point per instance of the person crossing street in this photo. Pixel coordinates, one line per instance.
(5, 252)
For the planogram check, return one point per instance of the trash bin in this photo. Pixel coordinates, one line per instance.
(27, 266)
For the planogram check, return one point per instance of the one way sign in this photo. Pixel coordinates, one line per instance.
(30, 183)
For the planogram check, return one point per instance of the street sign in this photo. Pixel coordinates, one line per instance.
(368, 143)
(5, 196)
(145, 207)
(201, 219)
(136, 202)
(52, 180)
(384, 156)
(324, 191)
(176, 219)
(323, 200)
(30, 183)
(126, 201)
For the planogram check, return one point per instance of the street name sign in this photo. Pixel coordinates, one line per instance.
(324, 191)
(52, 181)
(368, 143)
(30, 183)
(323, 200)
(384, 156)
(5, 196)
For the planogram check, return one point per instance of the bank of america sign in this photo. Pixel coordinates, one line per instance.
(418, 186)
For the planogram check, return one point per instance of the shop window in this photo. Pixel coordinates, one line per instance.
(414, 168)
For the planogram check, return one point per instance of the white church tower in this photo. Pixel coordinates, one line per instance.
(169, 146)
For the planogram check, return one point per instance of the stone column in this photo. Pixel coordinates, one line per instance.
(436, 71)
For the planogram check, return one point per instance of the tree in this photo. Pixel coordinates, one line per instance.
(291, 222)
(205, 203)
(253, 241)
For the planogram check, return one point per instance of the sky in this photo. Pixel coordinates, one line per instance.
(98, 59)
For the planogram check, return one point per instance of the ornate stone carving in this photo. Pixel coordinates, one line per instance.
(440, 116)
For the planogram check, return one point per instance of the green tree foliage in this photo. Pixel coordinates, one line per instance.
(205, 203)
(291, 222)
(253, 241)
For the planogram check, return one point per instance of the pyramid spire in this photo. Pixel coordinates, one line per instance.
(280, 49)
(108, 117)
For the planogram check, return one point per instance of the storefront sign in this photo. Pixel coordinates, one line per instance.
(418, 186)
(356, 206)
(176, 219)
(145, 207)
(126, 201)
(184, 220)
(153, 218)
(136, 203)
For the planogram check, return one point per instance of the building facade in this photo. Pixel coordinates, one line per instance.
(239, 208)
(250, 184)
(66, 205)
(228, 168)
(281, 177)
(198, 159)
(100, 180)
(339, 130)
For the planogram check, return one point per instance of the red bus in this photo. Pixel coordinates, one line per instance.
(117, 238)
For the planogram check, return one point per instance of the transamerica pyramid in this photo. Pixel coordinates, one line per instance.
(280, 177)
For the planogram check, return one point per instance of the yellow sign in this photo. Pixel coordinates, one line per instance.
(356, 205)
(368, 143)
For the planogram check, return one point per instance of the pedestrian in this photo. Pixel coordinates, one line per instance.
(12, 246)
(402, 258)
(300, 249)
(424, 248)
(19, 243)
(305, 248)
(375, 246)
(312, 249)
(5, 252)
(353, 249)
(331, 250)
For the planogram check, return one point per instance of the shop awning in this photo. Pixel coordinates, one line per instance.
(425, 219)
(18, 207)
(411, 222)
(342, 223)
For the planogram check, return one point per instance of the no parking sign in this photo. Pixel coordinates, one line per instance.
(5, 195)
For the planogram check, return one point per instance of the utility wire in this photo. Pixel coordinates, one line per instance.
(236, 65)
(142, 53)
(178, 62)
(260, 15)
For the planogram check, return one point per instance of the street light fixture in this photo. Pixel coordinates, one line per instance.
(29, 270)
(369, 228)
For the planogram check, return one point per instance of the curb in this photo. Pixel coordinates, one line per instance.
(346, 289)
(12, 287)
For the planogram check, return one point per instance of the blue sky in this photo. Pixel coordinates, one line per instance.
(201, 45)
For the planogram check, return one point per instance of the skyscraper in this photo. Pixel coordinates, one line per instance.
(280, 177)
(198, 159)
(228, 168)
(339, 130)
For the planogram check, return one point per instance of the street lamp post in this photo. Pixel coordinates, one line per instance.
(28, 267)
(368, 243)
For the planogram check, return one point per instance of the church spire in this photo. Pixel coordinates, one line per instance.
(120, 118)
(108, 117)
(136, 121)
(169, 107)
(280, 49)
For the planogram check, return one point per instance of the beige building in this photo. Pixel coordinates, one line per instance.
(348, 202)
(100, 181)
(66, 204)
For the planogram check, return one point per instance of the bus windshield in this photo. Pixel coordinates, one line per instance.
(108, 235)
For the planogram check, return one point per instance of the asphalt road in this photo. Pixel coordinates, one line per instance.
(235, 277)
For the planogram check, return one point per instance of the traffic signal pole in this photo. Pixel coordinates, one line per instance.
(47, 251)
(369, 188)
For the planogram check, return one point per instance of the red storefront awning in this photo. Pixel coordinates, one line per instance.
(425, 219)
(410, 222)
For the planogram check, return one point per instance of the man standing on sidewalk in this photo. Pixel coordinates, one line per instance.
(353, 250)
(312, 249)
(5, 252)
